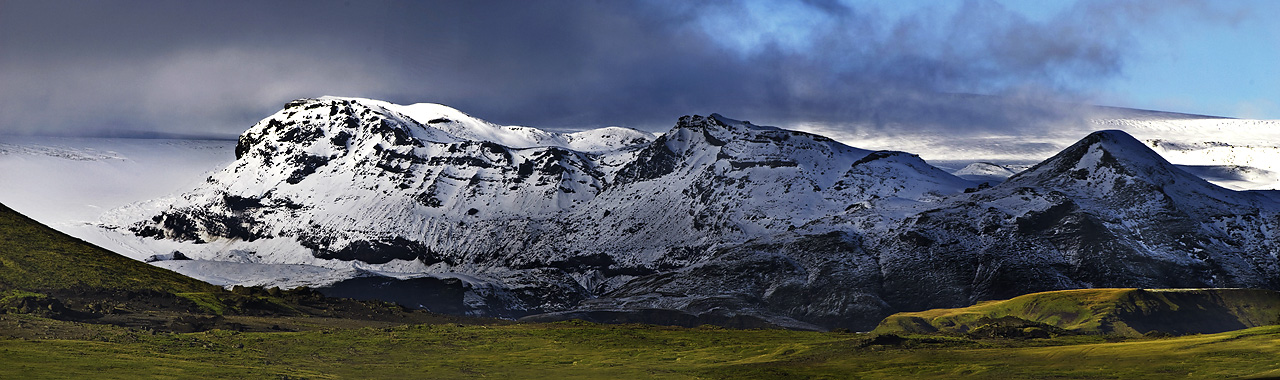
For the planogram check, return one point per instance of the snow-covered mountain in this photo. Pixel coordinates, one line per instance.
(715, 221)
(357, 185)
(1105, 212)
(985, 172)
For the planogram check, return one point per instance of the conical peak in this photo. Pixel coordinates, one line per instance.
(1121, 144)
(1113, 138)
(1113, 149)
(1111, 162)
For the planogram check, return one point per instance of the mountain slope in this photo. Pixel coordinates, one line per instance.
(36, 257)
(984, 172)
(1105, 212)
(808, 282)
(313, 177)
(1129, 312)
(713, 181)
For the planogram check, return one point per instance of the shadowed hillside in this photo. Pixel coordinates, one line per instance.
(36, 257)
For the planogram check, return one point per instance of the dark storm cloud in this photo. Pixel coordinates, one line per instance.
(216, 67)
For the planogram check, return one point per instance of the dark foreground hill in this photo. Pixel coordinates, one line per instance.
(47, 273)
(36, 257)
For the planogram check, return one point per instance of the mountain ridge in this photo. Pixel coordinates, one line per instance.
(1082, 219)
(719, 219)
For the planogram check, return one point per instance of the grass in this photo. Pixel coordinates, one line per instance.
(1072, 309)
(581, 350)
(224, 303)
(208, 301)
(1129, 312)
(33, 256)
(1242, 353)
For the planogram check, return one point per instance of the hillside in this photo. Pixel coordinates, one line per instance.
(36, 257)
(46, 273)
(1127, 312)
(1106, 212)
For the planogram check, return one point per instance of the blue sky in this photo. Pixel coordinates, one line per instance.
(1228, 69)
(1217, 58)
(1214, 58)
(214, 68)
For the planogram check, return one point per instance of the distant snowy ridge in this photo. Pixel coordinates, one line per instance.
(984, 172)
(59, 152)
(1240, 154)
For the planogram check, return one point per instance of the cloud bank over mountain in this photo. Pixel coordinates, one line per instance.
(214, 68)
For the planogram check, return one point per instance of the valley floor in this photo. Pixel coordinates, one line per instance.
(34, 348)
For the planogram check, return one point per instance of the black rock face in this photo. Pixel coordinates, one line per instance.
(654, 161)
(428, 293)
(373, 252)
(661, 317)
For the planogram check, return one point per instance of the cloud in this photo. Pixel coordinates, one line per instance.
(209, 92)
(189, 67)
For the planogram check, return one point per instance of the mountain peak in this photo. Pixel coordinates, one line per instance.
(724, 121)
(721, 121)
(700, 141)
(1119, 142)
(331, 125)
(1106, 156)
(1118, 171)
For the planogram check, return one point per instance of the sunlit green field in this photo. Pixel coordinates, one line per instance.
(576, 350)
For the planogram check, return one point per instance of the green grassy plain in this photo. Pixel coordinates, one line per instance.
(581, 350)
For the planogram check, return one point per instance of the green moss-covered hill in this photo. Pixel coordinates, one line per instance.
(1128, 312)
(36, 257)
